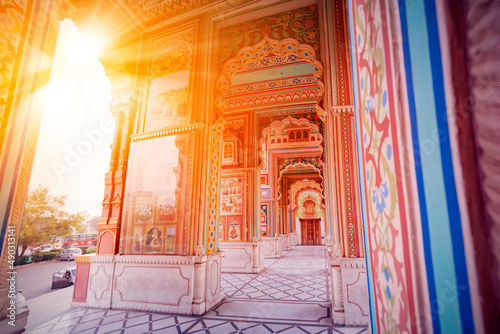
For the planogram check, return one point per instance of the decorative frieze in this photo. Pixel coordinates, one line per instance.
(167, 132)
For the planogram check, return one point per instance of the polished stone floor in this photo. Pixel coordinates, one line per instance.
(290, 296)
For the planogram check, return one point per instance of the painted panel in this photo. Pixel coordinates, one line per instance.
(234, 228)
(264, 218)
(168, 97)
(213, 191)
(379, 39)
(156, 196)
(385, 220)
(233, 206)
(231, 202)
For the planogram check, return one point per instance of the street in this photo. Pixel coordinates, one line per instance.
(36, 279)
(44, 303)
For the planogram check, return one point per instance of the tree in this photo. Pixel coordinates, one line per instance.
(45, 215)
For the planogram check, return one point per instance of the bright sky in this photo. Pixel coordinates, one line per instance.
(77, 128)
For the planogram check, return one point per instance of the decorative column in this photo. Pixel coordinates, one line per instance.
(347, 183)
(347, 250)
(109, 224)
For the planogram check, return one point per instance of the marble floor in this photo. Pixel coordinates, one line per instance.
(290, 296)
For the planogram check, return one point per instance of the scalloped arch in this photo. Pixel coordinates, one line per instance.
(309, 194)
(300, 185)
(271, 52)
(292, 166)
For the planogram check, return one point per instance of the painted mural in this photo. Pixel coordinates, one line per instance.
(264, 214)
(385, 212)
(300, 24)
(234, 228)
(231, 208)
(231, 202)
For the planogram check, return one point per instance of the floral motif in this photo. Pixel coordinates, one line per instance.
(385, 223)
(301, 24)
(379, 195)
(216, 131)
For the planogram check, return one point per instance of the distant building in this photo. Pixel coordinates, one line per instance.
(92, 224)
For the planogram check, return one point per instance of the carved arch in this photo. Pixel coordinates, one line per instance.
(287, 121)
(271, 53)
(300, 185)
(296, 165)
(306, 195)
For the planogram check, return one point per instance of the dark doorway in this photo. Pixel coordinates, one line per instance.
(310, 231)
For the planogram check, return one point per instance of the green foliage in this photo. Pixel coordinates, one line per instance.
(20, 260)
(45, 215)
(38, 258)
(88, 250)
(50, 256)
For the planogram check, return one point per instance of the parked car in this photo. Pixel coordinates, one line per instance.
(70, 254)
(63, 278)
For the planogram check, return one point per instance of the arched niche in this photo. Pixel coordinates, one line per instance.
(309, 195)
(271, 73)
(313, 163)
(283, 123)
(300, 185)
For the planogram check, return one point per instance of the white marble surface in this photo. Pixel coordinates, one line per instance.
(290, 296)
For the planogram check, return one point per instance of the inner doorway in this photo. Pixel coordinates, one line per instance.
(310, 231)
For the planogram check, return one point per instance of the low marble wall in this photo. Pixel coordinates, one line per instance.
(271, 247)
(294, 239)
(242, 257)
(167, 284)
(349, 292)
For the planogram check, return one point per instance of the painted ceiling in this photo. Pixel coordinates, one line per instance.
(151, 12)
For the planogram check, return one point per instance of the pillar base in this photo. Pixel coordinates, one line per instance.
(285, 242)
(349, 292)
(242, 257)
(271, 247)
(167, 284)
